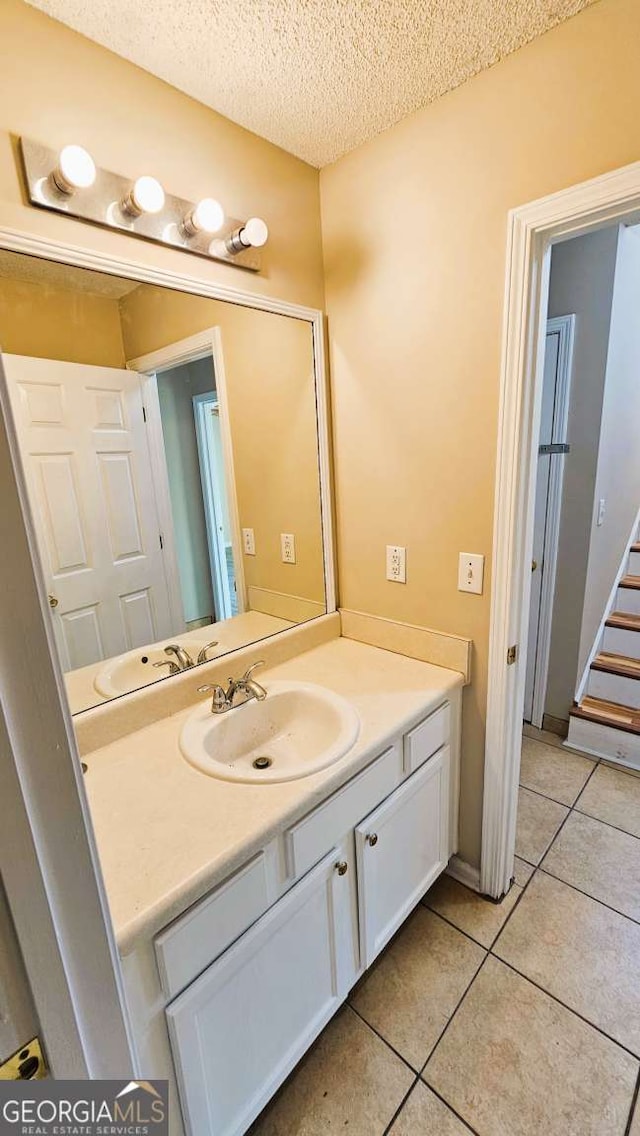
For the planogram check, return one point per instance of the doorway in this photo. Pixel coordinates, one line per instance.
(532, 230)
(206, 412)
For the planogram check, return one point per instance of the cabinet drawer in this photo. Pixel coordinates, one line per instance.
(423, 741)
(308, 840)
(185, 948)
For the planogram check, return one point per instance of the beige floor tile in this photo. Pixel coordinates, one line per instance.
(425, 1115)
(553, 772)
(514, 1062)
(410, 994)
(350, 1081)
(613, 796)
(522, 872)
(635, 1124)
(599, 860)
(583, 953)
(538, 821)
(467, 910)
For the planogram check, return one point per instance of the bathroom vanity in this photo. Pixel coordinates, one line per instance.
(245, 912)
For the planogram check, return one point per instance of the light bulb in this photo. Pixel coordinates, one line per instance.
(254, 233)
(206, 217)
(146, 196)
(76, 169)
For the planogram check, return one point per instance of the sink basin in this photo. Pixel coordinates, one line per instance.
(297, 730)
(128, 672)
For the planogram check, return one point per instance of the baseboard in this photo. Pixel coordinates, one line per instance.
(464, 873)
(436, 647)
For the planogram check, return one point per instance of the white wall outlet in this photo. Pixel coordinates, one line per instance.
(601, 511)
(471, 572)
(396, 563)
(249, 542)
(288, 545)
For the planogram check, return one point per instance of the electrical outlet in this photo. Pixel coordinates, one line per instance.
(471, 572)
(288, 545)
(248, 542)
(396, 563)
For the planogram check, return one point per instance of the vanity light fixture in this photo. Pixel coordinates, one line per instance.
(68, 181)
(206, 217)
(75, 170)
(145, 196)
(253, 234)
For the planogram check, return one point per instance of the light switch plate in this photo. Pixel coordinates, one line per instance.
(288, 545)
(396, 563)
(471, 572)
(248, 542)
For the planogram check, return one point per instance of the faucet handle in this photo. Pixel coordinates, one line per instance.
(249, 671)
(202, 653)
(219, 701)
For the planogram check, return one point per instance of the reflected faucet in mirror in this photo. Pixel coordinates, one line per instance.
(182, 660)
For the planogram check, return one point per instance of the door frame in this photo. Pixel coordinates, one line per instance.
(199, 346)
(531, 231)
(204, 408)
(51, 870)
(565, 327)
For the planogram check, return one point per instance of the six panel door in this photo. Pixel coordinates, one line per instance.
(84, 450)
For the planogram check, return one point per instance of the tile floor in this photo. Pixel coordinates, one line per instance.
(513, 1019)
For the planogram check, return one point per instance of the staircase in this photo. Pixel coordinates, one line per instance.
(606, 720)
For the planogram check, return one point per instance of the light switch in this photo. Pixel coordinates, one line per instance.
(470, 572)
(288, 545)
(249, 542)
(396, 563)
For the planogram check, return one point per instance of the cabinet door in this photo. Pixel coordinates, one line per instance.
(239, 1029)
(401, 848)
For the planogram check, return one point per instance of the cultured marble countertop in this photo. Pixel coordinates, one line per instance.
(168, 833)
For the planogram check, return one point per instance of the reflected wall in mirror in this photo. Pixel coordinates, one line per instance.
(170, 447)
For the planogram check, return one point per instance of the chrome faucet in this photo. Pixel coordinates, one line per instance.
(182, 656)
(203, 656)
(223, 700)
(182, 660)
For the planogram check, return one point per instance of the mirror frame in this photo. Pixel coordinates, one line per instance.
(13, 240)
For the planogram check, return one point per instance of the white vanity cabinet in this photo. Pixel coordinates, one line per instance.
(239, 1029)
(247, 978)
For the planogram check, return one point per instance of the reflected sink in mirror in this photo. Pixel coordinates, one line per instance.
(299, 729)
(136, 668)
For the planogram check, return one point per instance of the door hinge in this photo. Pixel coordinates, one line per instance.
(512, 654)
(26, 1064)
(144, 414)
(555, 448)
(161, 540)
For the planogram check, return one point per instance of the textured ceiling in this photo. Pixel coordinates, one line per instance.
(317, 77)
(63, 277)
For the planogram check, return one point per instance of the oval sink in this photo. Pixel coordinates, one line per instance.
(129, 672)
(297, 730)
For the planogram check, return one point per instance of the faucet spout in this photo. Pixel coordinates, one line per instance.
(181, 655)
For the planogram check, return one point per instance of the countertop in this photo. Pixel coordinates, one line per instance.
(168, 833)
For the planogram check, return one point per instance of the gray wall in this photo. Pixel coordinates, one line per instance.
(176, 389)
(582, 274)
(618, 474)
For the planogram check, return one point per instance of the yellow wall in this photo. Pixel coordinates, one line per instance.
(268, 362)
(57, 87)
(414, 232)
(45, 322)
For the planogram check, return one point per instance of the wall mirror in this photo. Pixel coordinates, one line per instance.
(174, 463)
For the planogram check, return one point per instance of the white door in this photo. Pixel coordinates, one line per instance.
(82, 439)
(401, 847)
(216, 511)
(239, 1029)
(553, 432)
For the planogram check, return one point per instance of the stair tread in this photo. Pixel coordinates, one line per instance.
(630, 582)
(605, 713)
(623, 665)
(625, 620)
(635, 547)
